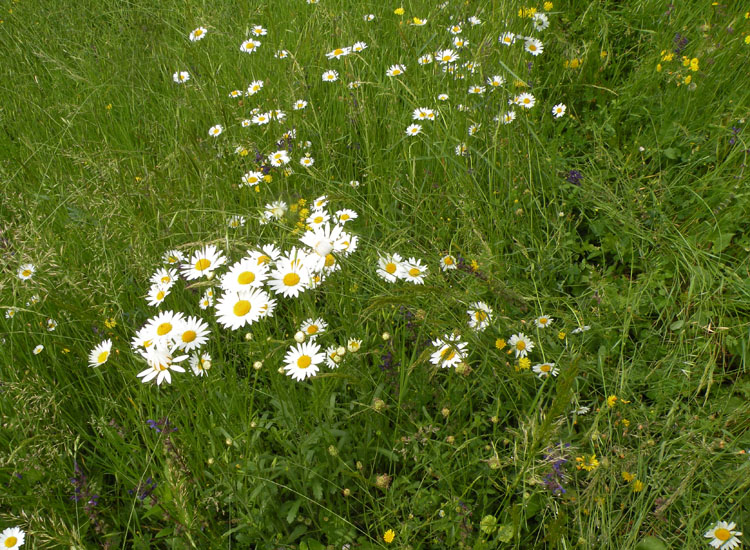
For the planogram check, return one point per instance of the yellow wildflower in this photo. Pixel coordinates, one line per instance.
(658, 67)
(548, 6)
(524, 363)
(611, 400)
(603, 54)
(268, 178)
(499, 343)
(747, 39)
(389, 535)
(561, 335)
(588, 463)
(637, 486)
(110, 323)
(627, 476)
(474, 265)
(399, 11)
(694, 64)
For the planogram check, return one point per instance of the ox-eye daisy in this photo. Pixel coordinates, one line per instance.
(161, 361)
(480, 316)
(12, 538)
(26, 271)
(395, 70)
(237, 309)
(546, 369)
(390, 267)
(313, 327)
(249, 45)
(200, 363)
(193, 334)
(521, 344)
(99, 355)
(243, 275)
(198, 34)
(723, 536)
(413, 129)
(414, 271)
(215, 131)
(203, 262)
(330, 76)
(543, 321)
(303, 360)
(450, 351)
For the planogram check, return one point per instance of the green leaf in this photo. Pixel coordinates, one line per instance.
(672, 153)
(677, 325)
(651, 543)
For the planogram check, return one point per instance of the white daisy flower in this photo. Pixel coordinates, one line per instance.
(215, 131)
(26, 271)
(359, 46)
(197, 34)
(254, 87)
(303, 360)
(299, 104)
(345, 215)
(156, 294)
(395, 70)
(244, 275)
(559, 110)
(38, 349)
(279, 158)
(353, 345)
(338, 53)
(480, 316)
(258, 30)
(546, 369)
(99, 355)
(446, 56)
(203, 262)
(521, 344)
(448, 263)
(180, 77)
(525, 100)
(331, 357)
(507, 39)
(390, 267)
(200, 363)
(414, 271)
(193, 333)
(249, 45)
(543, 321)
(165, 327)
(450, 351)
(425, 59)
(723, 536)
(413, 129)
(12, 538)
(161, 362)
(237, 309)
(173, 257)
(291, 276)
(330, 76)
(534, 46)
(312, 328)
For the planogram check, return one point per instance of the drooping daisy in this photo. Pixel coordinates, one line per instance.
(180, 77)
(417, 22)
(299, 104)
(559, 110)
(206, 301)
(525, 100)
(459, 42)
(355, 84)
(26, 271)
(474, 129)
(203, 262)
(312, 328)
(580, 329)
(338, 53)
(330, 76)
(51, 325)
(200, 363)
(38, 349)
(323, 239)
(369, 17)
(236, 222)
(534, 46)
(99, 355)
(197, 34)
(281, 54)
(193, 334)
(267, 254)
(303, 360)
(508, 117)
(413, 129)
(507, 39)
(546, 369)
(521, 344)
(450, 351)
(425, 59)
(12, 538)
(480, 316)
(249, 45)
(543, 321)
(476, 89)
(215, 131)
(161, 361)
(173, 257)
(10, 313)
(423, 113)
(243, 275)
(235, 94)
(474, 20)
(390, 267)
(414, 271)
(395, 70)
(442, 97)
(723, 536)
(237, 309)
(276, 209)
(320, 202)
(359, 47)
(461, 150)
(258, 30)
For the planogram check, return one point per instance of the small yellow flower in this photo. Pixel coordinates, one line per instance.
(524, 363)
(268, 178)
(389, 535)
(588, 463)
(399, 11)
(747, 39)
(658, 67)
(110, 323)
(694, 64)
(625, 422)
(627, 476)
(474, 265)
(611, 400)
(109, 107)
(603, 54)
(561, 335)
(685, 61)
(667, 56)
(499, 343)
(548, 6)
(637, 486)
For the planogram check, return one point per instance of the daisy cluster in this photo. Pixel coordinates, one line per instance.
(247, 292)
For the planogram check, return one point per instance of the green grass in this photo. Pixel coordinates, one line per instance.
(108, 163)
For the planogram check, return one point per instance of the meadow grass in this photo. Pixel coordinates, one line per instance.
(627, 216)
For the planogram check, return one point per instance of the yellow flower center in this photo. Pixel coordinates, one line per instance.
(263, 259)
(291, 279)
(188, 336)
(414, 272)
(102, 357)
(202, 264)
(172, 260)
(545, 368)
(163, 329)
(246, 277)
(526, 100)
(163, 367)
(480, 316)
(160, 295)
(318, 219)
(10, 542)
(304, 361)
(312, 329)
(330, 260)
(242, 307)
(722, 534)
(448, 261)
(165, 279)
(542, 320)
(520, 345)
(26, 273)
(338, 51)
(198, 32)
(390, 267)
(447, 354)
(532, 47)
(344, 217)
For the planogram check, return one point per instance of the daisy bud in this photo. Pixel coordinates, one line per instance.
(346, 492)
(258, 365)
(299, 337)
(337, 359)
(386, 336)
(450, 440)
(248, 336)
(281, 370)
(210, 275)
(253, 424)
(378, 404)
(228, 442)
(360, 465)
(333, 451)
(341, 351)
(210, 461)
(445, 412)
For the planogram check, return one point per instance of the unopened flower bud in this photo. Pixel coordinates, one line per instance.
(299, 337)
(386, 336)
(341, 351)
(258, 365)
